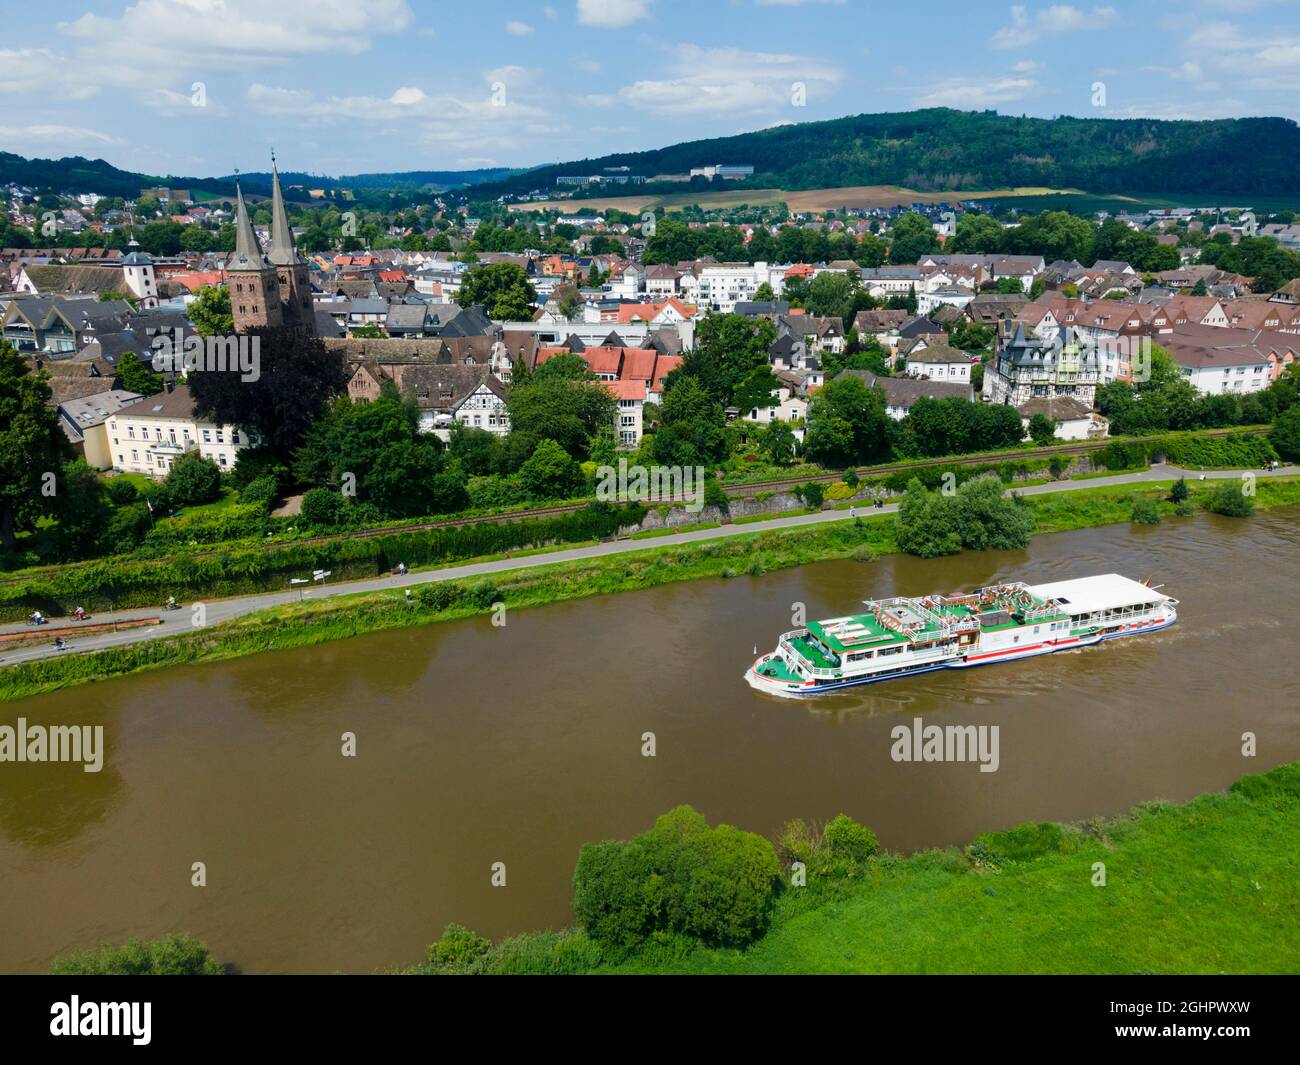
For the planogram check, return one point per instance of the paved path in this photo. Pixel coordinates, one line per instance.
(217, 610)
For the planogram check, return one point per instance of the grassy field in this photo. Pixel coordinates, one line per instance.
(1024, 198)
(1209, 886)
(313, 622)
(801, 200)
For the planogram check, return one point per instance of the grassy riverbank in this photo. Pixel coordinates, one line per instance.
(319, 621)
(1208, 886)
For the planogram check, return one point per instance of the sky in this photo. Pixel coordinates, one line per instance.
(203, 87)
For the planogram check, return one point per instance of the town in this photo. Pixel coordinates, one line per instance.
(635, 487)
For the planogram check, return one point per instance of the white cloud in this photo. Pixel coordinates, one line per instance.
(1059, 18)
(974, 93)
(727, 81)
(41, 136)
(518, 29)
(612, 14)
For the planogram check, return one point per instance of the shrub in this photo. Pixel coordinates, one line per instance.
(1282, 783)
(193, 480)
(680, 878)
(1145, 511)
(1285, 436)
(263, 490)
(849, 840)
(851, 478)
(1020, 844)
(320, 506)
(121, 491)
(438, 596)
(458, 948)
(1184, 508)
(813, 495)
(173, 955)
(715, 496)
(1058, 464)
(1179, 491)
(1230, 499)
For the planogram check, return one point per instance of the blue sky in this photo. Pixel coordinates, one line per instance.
(200, 87)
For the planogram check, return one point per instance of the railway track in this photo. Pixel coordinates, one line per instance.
(738, 491)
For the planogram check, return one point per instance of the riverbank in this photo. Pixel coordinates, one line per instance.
(301, 624)
(1207, 886)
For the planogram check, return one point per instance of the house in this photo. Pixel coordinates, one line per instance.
(1074, 420)
(84, 422)
(149, 435)
(902, 392)
(444, 393)
(950, 296)
(939, 362)
(1217, 360)
(1033, 367)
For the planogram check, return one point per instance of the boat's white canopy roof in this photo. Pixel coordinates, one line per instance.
(1083, 595)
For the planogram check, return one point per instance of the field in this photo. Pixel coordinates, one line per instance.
(1026, 198)
(803, 200)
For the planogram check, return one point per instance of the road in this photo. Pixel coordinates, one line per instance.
(217, 610)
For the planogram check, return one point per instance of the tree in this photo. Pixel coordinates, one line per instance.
(323, 508)
(173, 955)
(134, 376)
(728, 349)
(691, 425)
(1229, 498)
(210, 312)
(913, 236)
(989, 519)
(550, 473)
(777, 441)
(562, 401)
(83, 511)
(1285, 435)
(193, 480)
(1179, 491)
(32, 447)
(297, 376)
(503, 290)
(926, 523)
(847, 424)
(1042, 429)
(764, 293)
(716, 885)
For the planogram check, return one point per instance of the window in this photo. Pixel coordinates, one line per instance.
(207, 436)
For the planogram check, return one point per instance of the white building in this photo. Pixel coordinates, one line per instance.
(939, 362)
(151, 434)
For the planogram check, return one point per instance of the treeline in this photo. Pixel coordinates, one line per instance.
(940, 149)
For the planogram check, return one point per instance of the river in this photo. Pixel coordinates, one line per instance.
(478, 744)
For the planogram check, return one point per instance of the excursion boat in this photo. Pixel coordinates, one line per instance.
(899, 637)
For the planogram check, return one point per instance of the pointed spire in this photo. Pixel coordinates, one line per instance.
(282, 252)
(248, 252)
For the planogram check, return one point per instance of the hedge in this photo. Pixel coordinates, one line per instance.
(126, 582)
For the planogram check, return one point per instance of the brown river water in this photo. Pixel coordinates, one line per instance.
(479, 744)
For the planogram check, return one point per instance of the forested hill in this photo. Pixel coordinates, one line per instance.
(941, 150)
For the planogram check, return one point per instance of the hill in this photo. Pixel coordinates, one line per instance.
(77, 174)
(942, 150)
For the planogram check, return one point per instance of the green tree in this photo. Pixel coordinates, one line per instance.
(1285, 435)
(173, 955)
(562, 401)
(193, 480)
(503, 290)
(927, 523)
(135, 376)
(989, 519)
(913, 236)
(1042, 429)
(550, 473)
(210, 312)
(298, 375)
(777, 441)
(33, 448)
(847, 424)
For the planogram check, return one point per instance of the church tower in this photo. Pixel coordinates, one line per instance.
(254, 288)
(292, 273)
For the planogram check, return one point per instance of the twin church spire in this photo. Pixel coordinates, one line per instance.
(268, 288)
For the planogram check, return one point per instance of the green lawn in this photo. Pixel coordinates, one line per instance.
(1209, 886)
(1212, 886)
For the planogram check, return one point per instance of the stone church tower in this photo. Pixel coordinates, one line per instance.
(272, 288)
(292, 273)
(254, 287)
